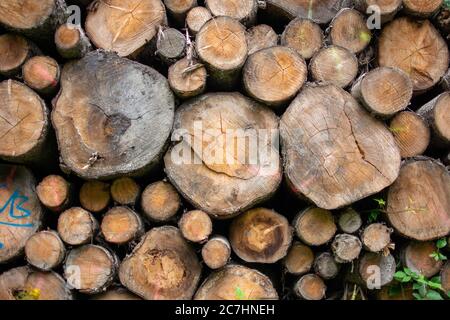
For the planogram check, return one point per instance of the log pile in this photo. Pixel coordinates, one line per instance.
(240, 150)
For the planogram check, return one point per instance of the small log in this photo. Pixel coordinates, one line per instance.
(243, 10)
(416, 256)
(121, 225)
(411, 133)
(36, 21)
(15, 50)
(25, 283)
(418, 205)
(349, 30)
(445, 277)
(304, 36)
(124, 27)
(71, 41)
(216, 252)
(45, 250)
(260, 235)
(422, 9)
(187, 78)
(212, 165)
(235, 282)
(384, 91)
(346, 248)
(116, 294)
(315, 226)
(326, 266)
(170, 45)
(21, 213)
(274, 75)
(437, 115)
(100, 139)
(125, 191)
(224, 59)
(196, 18)
(260, 37)
(90, 269)
(387, 9)
(55, 193)
(376, 270)
(334, 65)
(310, 287)
(178, 9)
(162, 266)
(195, 226)
(41, 73)
(95, 196)
(77, 226)
(349, 221)
(352, 154)
(419, 50)
(160, 201)
(24, 130)
(376, 237)
(299, 259)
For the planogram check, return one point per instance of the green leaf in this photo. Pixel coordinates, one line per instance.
(435, 256)
(240, 295)
(381, 202)
(441, 243)
(434, 295)
(417, 286)
(442, 257)
(399, 275)
(448, 294)
(373, 216)
(408, 271)
(423, 291)
(417, 296)
(406, 279)
(394, 290)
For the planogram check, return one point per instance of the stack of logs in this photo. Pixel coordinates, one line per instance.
(349, 184)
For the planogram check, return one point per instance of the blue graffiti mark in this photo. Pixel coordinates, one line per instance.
(1, 245)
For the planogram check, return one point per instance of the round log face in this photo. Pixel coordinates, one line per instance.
(25, 14)
(112, 117)
(442, 116)
(67, 37)
(124, 26)
(310, 287)
(416, 257)
(371, 262)
(260, 37)
(422, 8)
(418, 203)
(20, 210)
(196, 18)
(304, 36)
(45, 250)
(237, 9)
(14, 50)
(419, 50)
(41, 73)
(212, 166)
(349, 30)
(335, 153)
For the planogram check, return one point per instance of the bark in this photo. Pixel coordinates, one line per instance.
(125, 191)
(195, 226)
(187, 78)
(77, 226)
(346, 248)
(196, 18)
(299, 259)
(15, 50)
(260, 37)
(418, 204)
(326, 266)
(121, 225)
(243, 10)
(45, 250)
(416, 256)
(95, 196)
(170, 45)
(335, 153)
(116, 141)
(163, 266)
(21, 214)
(349, 221)
(71, 41)
(376, 237)
(178, 9)
(260, 235)
(304, 36)
(309, 221)
(310, 287)
(160, 201)
(216, 252)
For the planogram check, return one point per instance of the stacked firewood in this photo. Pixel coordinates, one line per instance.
(238, 149)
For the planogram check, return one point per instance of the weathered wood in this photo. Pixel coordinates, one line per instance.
(310, 287)
(349, 221)
(97, 136)
(315, 226)
(416, 256)
(304, 36)
(196, 18)
(387, 8)
(125, 191)
(160, 201)
(55, 193)
(243, 10)
(162, 266)
(376, 270)
(335, 153)
(95, 196)
(45, 250)
(71, 41)
(187, 78)
(195, 226)
(216, 252)
(77, 226)
(326, 266)
(121, 225)
(170, 45)
(346, 248)
(15, 50)
(260, 37)
(299, 259)
(376, 237)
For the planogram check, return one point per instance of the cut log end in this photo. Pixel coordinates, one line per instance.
(376, 237)
(304, 36)
(326, 266)
(349, 221)
(77, 226)
(42, 74)
(187, 78)
(14, 50)
(417, 257)
(216, 252)
(420, 8)
(178, 9)
(376, 270)
(170, 45)
(242, 10)
(45, 250)
(196, 226)
(95, 196)
(310, 287)
(299, 259)
(54, 192)
(387, 8)
(160, 201)
(125, 191)
(71, 42)
(315, 226)
(121, 225)
(445, 277)
(260, 37)
(437, 115)
(346, 248)
(196, 18)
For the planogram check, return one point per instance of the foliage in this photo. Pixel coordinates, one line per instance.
(240, 295)
(424, 289)
(375, 213)
(440, 244)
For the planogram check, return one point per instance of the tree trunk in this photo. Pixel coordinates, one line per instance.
(71, 41)
(55, 193)
(15, 50)
(25, 283)
(125, 191)
(36, 21)
(260, 235)
(310, 287)
(45, 250)
(326, 266)
(418, 204)
(211, 164)
(335, 153)
(274, 75)
(196, 18)
(416, 256)
(95, 196)
(349, 221)
(299, 259)
(170, 45)
(349, 30)
(121, 225)
(384, 91)
(178, 9)
(216, 252)
(162, 267)
(160, 201)
(304, 36)
(346, 248)
(90, 269)
(387, 9)
(24, 131)
(21, 212)
(243, 10)
(425, 65)
(76, 226)
(437, 115)
(195, 226)
(376, 237)
(111, 143)
(224, 59)
(235, 282)
(315, 226)
(421, 9)
(124, 27)
(411, 133)
(334, 65)
(187, 78)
